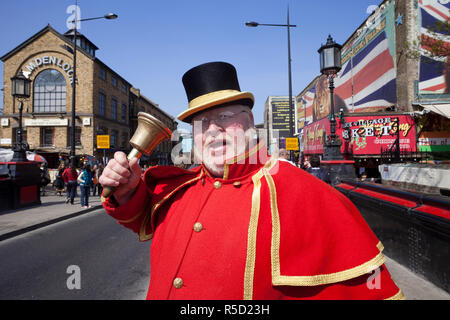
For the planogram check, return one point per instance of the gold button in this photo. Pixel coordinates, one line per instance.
(198, 227)
(217, 184)
(237, 184)
(178, 283)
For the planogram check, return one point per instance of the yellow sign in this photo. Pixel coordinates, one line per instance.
(103, 142)
(292, 144)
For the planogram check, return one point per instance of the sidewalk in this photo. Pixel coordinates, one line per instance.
(53, 209)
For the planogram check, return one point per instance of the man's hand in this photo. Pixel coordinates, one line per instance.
(122, 175)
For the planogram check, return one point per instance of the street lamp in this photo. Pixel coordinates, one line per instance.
(330, 64)
(109, 16)
(288, 26)
(21, 90)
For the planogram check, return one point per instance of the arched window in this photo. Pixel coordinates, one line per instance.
(49, 92)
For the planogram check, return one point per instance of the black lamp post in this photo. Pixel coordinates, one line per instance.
(291, 107)
(330, 64)
(109, 16)
(21, 90)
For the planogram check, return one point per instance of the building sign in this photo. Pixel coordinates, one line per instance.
(434, 141)
(5, 122)
(5, 141)
(280, 116)
(314, 136)
(364, 135)
(103, 141)
(37, 62)
(86, 121)
(292, 144)
(49, 122)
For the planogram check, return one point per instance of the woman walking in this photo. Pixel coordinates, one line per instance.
(85, 180)
(70, 179)
(59, 181)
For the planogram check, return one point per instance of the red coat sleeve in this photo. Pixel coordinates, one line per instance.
(133, 214)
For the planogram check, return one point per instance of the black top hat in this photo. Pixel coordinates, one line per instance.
(210, 85)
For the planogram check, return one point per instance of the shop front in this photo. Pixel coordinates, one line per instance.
(369, 140)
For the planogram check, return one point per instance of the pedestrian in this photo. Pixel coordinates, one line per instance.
(94, 180)
(85, 180)
(317, 171)
(283, 155)
(70, 176)
(99, 173)
(242, 225)
(45, 177)
(59, 181)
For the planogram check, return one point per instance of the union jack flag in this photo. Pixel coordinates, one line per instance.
(431, 72)
(367, 81)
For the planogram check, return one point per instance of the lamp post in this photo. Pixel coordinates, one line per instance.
(21, 90)
(330, 64)
(291, 107)
(108, 16)
(338, 168)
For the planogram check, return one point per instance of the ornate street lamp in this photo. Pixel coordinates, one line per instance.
(330, 64)
(20, 89)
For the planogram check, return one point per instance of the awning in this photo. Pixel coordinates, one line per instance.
(441, 109)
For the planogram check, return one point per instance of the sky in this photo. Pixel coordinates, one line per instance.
(153, 43)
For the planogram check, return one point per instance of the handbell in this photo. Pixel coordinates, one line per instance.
(148, 135)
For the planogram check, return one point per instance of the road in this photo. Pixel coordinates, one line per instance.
(92, 255)
(111, 264)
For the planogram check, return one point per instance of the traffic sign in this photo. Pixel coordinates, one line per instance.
(103, 141)
(292, 144)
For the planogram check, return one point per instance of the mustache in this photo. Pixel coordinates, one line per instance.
(215, 141)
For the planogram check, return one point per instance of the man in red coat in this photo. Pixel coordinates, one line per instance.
(243, 225)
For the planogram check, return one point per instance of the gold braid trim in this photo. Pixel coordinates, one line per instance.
(252, 232)
(278, 279)
(148, 218)
(398, 296)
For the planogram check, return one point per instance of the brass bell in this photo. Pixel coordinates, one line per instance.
(148, 135)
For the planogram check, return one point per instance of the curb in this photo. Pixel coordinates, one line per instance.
(21, 231)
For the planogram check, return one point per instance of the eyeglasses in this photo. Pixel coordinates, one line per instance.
(223, 119)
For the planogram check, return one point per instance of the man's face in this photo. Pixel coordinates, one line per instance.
(220, 134)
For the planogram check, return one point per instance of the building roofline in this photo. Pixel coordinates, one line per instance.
(362, 24)
(137, 92)
(38, 35)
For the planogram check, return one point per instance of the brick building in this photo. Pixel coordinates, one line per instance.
(106, 103)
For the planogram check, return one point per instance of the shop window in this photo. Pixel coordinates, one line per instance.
(47, 136)
(49, 92)
(77, 136)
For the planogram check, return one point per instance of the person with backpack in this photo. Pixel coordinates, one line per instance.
(85, 180)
